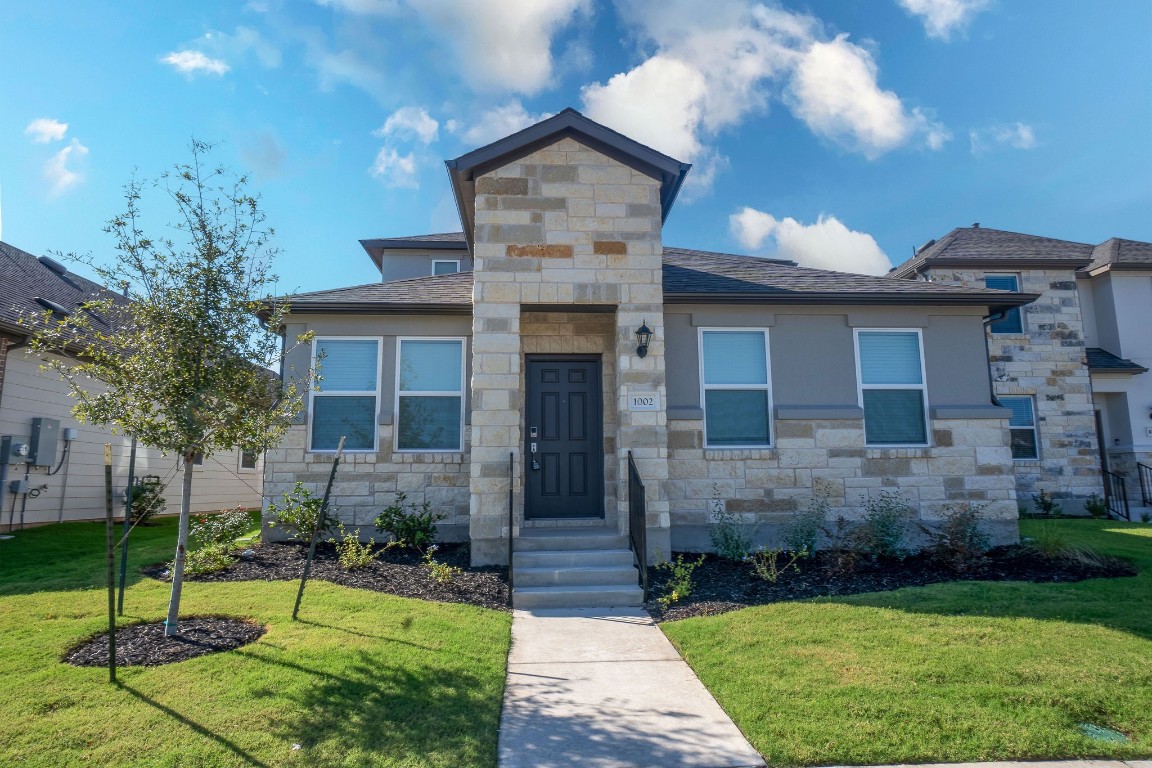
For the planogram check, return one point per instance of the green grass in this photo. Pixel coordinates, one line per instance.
(950, 672)
(364, 679)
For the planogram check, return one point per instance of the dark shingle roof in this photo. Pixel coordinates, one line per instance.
(995, 247)
(1103, 361)
(24, 278)
(689, 277)
(1117, 253)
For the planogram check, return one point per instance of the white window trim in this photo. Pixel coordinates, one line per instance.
(445, 261)
(1035, 426)
(445, 393)
(240, 461)
(313, 394)
(1018, 310)
(704, 387)
(922, 386)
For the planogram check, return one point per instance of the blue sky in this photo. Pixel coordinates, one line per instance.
(839, 133)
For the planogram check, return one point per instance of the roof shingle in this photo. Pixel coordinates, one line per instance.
(24, 278)
(980, 245)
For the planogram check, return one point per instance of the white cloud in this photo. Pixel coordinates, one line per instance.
(504, 46)
(60, 176)
(195, 62)
(942, 17)
(495, 123)
(1014, 135)
(394, 169)
(46, 129)
(363, 7)
(826, 244)
(835, 92)
(410, 122)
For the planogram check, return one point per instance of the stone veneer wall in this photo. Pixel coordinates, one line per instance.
(1046, 361)
(563, 225)
(969, 461)
(366, 483)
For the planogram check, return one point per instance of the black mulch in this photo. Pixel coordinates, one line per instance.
(721, 585)
(396, 572)
(145, 644)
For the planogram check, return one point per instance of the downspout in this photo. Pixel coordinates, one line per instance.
(987, 321)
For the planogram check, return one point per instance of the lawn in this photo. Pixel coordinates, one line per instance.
(950, 672)
(363, 679)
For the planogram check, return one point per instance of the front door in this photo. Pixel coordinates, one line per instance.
(564, 442)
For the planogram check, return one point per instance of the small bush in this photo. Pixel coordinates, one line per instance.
(222, 528)
(679, 585)
(442, 573)
(1045, 504)
(207, 559)
(1146, 517)
(801, 532)
(728, 535)
(959, 540)
(300, 512)
(1096, 506)
(412, 525)
(766, 563)
(147, 499)
(884, 529)
(351, 552)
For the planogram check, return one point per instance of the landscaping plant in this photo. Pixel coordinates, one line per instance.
(959, 539)
(1096, 506)
(212, 539)
(766, 562)
(300, 512)
(147, 499)
(800, 534)
(412, 525)
(442, 573)
(728, 535)
(884, 530)
(679, 584)
(352, 553)
(1045, 504)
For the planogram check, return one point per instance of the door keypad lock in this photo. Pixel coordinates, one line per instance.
(532, 450)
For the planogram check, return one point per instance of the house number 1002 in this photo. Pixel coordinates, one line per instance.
(645, 402)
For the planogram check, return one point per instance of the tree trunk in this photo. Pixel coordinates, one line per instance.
(171, 625)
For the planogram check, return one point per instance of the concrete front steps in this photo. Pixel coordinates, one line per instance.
(573, 568)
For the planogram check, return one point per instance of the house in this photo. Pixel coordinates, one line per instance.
(1069, 366)
(65, 481)
(575, 355)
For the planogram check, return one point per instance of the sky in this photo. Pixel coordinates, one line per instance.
(839, 133)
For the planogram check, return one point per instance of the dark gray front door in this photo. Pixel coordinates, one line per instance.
(564, 442)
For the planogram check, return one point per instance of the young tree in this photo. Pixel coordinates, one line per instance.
(183, 357)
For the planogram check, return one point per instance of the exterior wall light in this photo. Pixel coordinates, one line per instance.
(643, 337)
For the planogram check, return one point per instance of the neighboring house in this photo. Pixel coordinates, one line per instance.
(514, 396)
(72, 488)
(1070, 366)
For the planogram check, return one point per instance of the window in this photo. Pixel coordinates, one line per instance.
(430, 395)
(1022, 425)
(892, 391)
(247, 459)
(1011, 322)
(345, 403)
(737, 401)
(198, 459)
(445, 267)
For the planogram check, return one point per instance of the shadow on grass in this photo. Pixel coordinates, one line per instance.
(443, 716)
(247, 757)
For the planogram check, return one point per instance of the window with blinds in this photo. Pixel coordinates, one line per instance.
(1022, 425)
(737, 394)
(892, 389)
(1011, 322)
(430, 395)
(346, 396)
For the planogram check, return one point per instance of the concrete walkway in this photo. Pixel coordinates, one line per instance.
(604, 688)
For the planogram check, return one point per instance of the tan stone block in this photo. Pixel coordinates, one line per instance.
(609, 247)
(549, 251)
(489, 185)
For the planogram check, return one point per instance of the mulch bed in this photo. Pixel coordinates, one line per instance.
(145, 645)
(396, 572)
(721, 585)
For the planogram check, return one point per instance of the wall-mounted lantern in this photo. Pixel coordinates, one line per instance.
(643, 337)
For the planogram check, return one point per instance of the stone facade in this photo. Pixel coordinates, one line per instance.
(563, 226)
(1046, 362)
(968, 462)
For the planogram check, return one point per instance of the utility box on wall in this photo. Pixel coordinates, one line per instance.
(45, 438)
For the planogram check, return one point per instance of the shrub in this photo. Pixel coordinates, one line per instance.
(1096, 506)
(1045, 504)
(412, 525)
(959, 539)
(728, 535)
(222, 528)
(442, 573)
(679, 584)
(884, 529)
(766, 563)
(147, 499)
(300, 512)
(1146, 517)
(351, 552)
(801, 532)
(207, 559)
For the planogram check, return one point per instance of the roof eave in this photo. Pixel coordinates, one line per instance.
(1013, 263)
(1009, 301)
(378, 308)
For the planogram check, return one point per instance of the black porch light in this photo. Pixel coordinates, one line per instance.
(643, 336)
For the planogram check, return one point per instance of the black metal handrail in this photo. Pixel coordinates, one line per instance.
(1115, 494)
(511, 519)
(637, 523)
(1145, 473)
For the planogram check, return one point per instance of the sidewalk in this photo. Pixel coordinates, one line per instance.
(605, 688)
